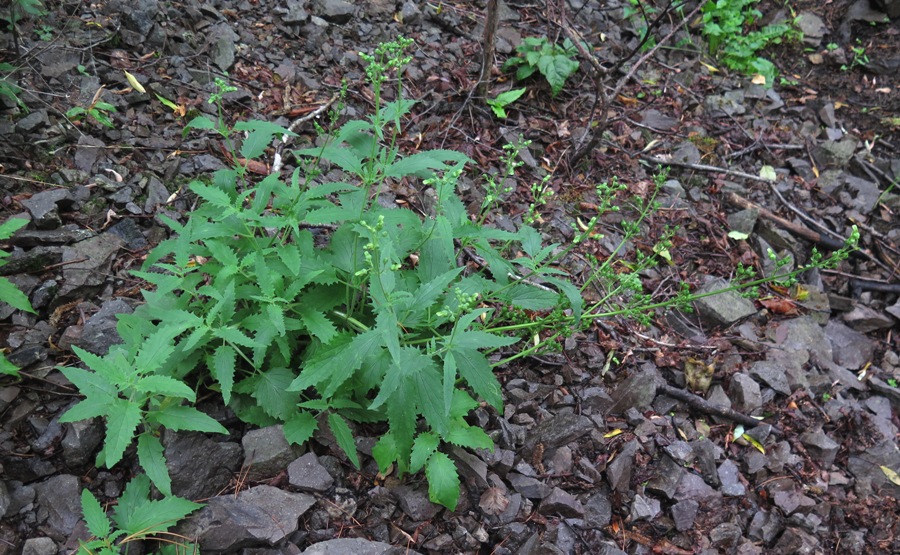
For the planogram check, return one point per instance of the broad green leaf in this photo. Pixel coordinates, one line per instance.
(10, 226)
(429, 393)
(556, 69)
(215, 196)
(572, 293)
(156, 350)
(164, 385)
(261, 134)
(738, 235)
(423, 164)
(317, 324)
(199, 122)
(300, 427)
(531, 297)
(222, 365)
(477, 339)
(402, 419)
(92, 385)
(462, 404)
(182, 417)
(443, 481)
(276, 317)
(13, 296)
(122, 420)
(344, 437)
(272, 393)
(437, 255)
(94, 516)
(151, 455)
(154, 517)
(8, 368)
(385, 452)
(290, 255)
(234, 335)
(449, 384)
(467, 436)
(85, 410)
(477, 373)
(424, 446)
(396, 109)
(768, 173)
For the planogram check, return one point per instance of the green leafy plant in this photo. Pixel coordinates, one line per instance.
(137, 517)
(499, 104)
(97, 110)
(860, 58)
(9, 293)
(724, 26)
(537, 54)
(307, 302)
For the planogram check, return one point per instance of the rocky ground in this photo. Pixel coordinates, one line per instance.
(599, 448)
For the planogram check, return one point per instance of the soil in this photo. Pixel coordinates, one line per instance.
(287, 60)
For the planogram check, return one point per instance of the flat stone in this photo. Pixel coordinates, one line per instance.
(99, 332)
(791, 499)
(306, 474)
(561, 503)
(530, 488)
(728, 477)
(415, 503)
(693, 487)
(88, 263)
(666, 478)
(798, 542)
(356, 546)
(199, 467)
(820, 446)
(772, 374)
(333, 11)
(597, 511)
(727, 534)
(637, 390)
(765, 526)
(644, 508)
(619, 471)
(59, 501)
(723, 309)
(745, 393)
(262, 514)
(865, 319)
(835, 154)
(851, 348)
(559, 430)
(684, 513)
(39, 546)
(267, 452)
(44, 207)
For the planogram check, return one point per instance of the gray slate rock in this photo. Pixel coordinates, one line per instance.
(693, 487)
(765, 526)
(128, 231)
(684, 513)
(561, 503)
(835, 154)
(866, 468)
(44, 207)
(356, 546)
(723, 309)
(771, 374)
(80, 441)
(559, 430)
(865, 319)
(597, 510)
(797, 542)
(727, 534)
(267, 452)
(415, 503)
(5, 498)
(665, 480)
(333, 11)
(262, 515)
(745, 393)
(199, 467)
(530, 488)
(728, 477)
(637, 390)
(59, 505)
(820, 446)
(619, 471)
(851, 348)
(88, 263)
(306, 474)
(644, 508)
(99, 332)
(39, 546)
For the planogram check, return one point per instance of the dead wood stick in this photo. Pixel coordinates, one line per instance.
(808, 234)
(487, 47)
(701, 404)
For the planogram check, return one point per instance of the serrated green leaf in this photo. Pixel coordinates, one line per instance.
(94, 516)
(164, 385)
(98, 390)
(8, 368)
(385, 452)
(13, 296)
(344, 437)
(462, 404)
(156, 350)
(151, 455)
(182, 417)
(470, 437)
(429, 396)
(477, 339)
(530, 297)
(449, 384)
(154, 517)
(212, 195)
(476, 371)
(199, 122)
(233, 335)
(572, 293)
(276, 317)
(300, 427)
(443, 480)
(222, 367)
(10, 226)
(317, 324)
(423, 164)
(272, 394)
(261, 134)
(122, 419)
(424, 446)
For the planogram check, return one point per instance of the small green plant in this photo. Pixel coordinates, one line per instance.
(97, 110)
(537, 54)
(44, 32)
(9, 293)
(8, 88)
(860, 58)
(724, 26)
(499, 104)
(892, 382)
(137, 517)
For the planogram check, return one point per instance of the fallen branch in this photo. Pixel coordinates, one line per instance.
(704, 406)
